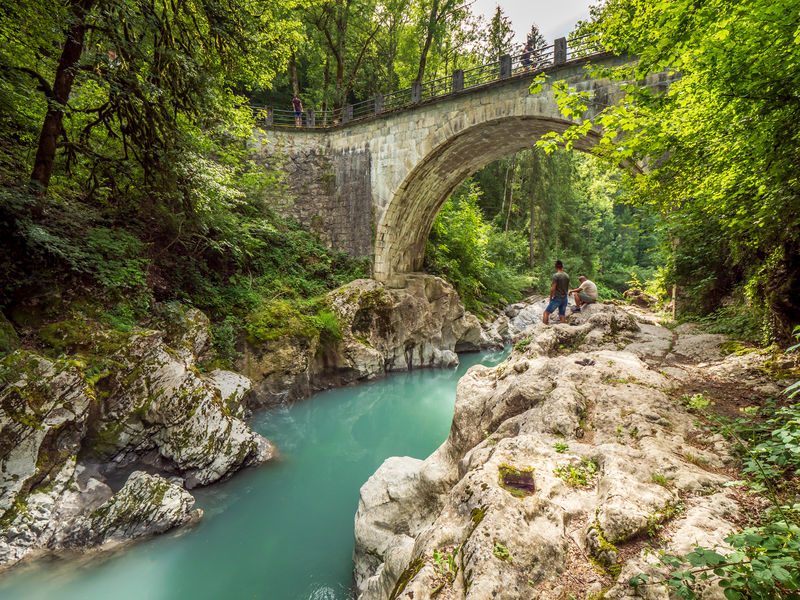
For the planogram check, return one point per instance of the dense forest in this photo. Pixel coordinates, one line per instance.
(128, 180)
(125, 165)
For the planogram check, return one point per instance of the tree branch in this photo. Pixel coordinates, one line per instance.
(44, 85)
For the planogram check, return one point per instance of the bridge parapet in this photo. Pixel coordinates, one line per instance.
(524, 64)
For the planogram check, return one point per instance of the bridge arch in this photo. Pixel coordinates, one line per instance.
(373, 186)
(406, 221)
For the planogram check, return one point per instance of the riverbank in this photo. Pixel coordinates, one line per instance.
(101, 444)
(283, 530)
(568, 467)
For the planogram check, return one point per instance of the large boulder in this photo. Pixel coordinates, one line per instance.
(150, 403)
(146, 505)
(156, 400)
(44, 407)
(419, 323)
(559, 462)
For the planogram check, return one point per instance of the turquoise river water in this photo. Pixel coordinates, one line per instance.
(283, 531)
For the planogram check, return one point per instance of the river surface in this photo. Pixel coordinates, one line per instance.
(283, 531)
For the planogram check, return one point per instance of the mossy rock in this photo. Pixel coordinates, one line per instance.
(9, 341)
(406, 577)
(518, 482)
(80, 335)
(477, 515)
(277, 319)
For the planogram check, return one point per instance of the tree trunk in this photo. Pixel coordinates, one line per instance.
(531, 231)
(293, 74)
(326, 80)
(62, 86)
(509, 189)
(535, 177)
(423, 59)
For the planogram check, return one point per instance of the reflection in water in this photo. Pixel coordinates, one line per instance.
(283, 531)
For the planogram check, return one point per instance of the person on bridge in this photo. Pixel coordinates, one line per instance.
(297, 104)
(585, 293)
(526, 56)
(559, 295)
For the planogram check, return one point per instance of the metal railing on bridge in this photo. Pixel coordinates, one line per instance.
(523, 64)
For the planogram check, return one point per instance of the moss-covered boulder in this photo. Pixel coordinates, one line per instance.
(186, 329)
(9, 340)
(146, 505)
(156, 399)
(44, 407)
(365, 330)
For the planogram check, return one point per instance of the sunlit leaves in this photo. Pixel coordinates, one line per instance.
(722, 140)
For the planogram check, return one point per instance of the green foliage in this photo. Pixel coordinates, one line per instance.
(482, 263)
(560, 447)
(726, 190)
(277, 319)
(327, 324)
(224, 336)
(522, 345)
(446, 567)
(575, 208)
(660, 479)
(297, 319)
(501, 552)
(775, 454)
(739, 320)
(696, 402)
(764, 565)
(581, 475)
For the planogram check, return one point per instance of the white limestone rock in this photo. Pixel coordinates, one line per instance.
(418, 323)
(158, 401)
(232, 387)
(146, 505)
(154, 402)
(44, 407)
(499, 488)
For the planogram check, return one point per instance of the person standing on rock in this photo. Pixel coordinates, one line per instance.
(559, 295)
(297, 104)
(585, 293)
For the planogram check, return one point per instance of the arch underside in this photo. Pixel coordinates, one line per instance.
(404, 228)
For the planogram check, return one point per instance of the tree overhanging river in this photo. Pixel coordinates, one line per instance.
(283, 531)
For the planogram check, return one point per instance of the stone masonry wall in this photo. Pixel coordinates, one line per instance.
(328, 191)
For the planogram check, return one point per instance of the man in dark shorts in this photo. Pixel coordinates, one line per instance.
(297, 104)
(559, 295)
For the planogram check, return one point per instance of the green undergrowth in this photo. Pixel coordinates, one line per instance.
(581, 475)
(77, 280)
(278, 319)
(486, 265)
(763, 560)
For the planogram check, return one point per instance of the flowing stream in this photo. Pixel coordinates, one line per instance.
(283, 531)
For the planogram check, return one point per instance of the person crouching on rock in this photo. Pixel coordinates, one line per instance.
(559, 295)
(585, 293)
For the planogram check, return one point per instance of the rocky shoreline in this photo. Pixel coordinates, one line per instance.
(565, 465)
(420, 325)
(567, 469)
(153, 422)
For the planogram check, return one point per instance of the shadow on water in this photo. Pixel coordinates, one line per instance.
(283, 531)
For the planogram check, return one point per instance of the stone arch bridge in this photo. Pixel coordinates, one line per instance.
(373, 186)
